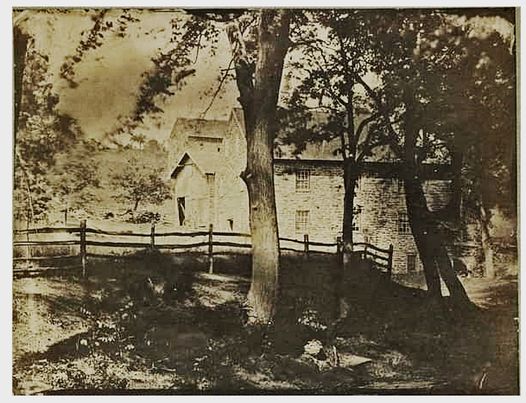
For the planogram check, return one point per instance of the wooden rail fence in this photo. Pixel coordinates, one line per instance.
(382, 258)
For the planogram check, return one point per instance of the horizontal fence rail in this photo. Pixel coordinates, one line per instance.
(382, 258)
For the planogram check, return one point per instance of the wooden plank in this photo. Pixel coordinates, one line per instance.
(45, 243)
(374, 255)
(35, 270)
(119, 244)
(182, 246)
(370, 246)
(211, 249)
(292, 240)
(233, 244)
(292, 249)
(47, 230)
(234, 234)
(17, 259)
(185, 234)
(314, 243)
(83, 258)
(144, 234)
(118, 233)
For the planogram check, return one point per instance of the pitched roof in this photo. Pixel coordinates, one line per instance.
(314, 150)
(202, 161)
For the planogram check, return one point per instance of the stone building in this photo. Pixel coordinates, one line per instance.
(208, 156)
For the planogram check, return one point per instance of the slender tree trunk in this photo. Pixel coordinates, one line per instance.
(487, 249)
(20, 42)
(136, 205)
(259, 97)
(350, 179)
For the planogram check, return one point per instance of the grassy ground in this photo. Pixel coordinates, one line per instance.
(160, 324)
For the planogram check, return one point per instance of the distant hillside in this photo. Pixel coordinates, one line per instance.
(109, 207)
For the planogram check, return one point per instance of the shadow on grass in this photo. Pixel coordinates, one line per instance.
(145, 311)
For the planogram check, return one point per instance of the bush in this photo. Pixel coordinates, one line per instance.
(144, 217)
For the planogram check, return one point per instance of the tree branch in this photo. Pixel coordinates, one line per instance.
(391, 141)
(218, 89)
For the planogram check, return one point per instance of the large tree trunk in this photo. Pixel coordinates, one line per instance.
(259, 97)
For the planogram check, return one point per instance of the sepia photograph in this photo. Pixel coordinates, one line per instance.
(265, 201)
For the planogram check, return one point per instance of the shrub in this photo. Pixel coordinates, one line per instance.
(144, 217)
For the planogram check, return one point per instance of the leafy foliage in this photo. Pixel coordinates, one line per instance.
(138, 183)
(43, 132)
(74, 177)
(171, 67)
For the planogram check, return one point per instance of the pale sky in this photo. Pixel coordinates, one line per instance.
(109, 76)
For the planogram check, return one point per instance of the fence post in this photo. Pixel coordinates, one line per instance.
(390, 261)
(210, 249)
(83, 246)
(306, 242)
(28, 249)
(152, 236)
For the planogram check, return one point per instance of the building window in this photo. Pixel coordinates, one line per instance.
(302, 221)
(411, 262)
(357, 218)
(403, 224)
(303, 180)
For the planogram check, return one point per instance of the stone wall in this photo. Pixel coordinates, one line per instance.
(323, 200)
(381, 201)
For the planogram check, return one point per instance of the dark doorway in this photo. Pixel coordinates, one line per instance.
(181, 210)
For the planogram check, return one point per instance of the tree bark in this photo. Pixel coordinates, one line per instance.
(259, 97)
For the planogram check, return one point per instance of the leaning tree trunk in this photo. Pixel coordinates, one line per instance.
(418, 216)
(430, 244)
(259, 98)
(424, 226)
